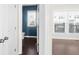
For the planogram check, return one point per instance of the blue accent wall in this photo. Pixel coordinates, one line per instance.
(29, 31)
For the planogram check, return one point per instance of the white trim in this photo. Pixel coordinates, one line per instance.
(20, 29)
(65, 38)
(41, 29)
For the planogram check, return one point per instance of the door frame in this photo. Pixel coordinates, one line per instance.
(19, 24)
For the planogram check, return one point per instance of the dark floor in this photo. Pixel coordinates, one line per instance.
(65, 47)
(29, 46)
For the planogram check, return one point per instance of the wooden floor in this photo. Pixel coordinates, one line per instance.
(29, 46)
(65, 47)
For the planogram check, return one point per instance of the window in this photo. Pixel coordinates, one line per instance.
(61, 19)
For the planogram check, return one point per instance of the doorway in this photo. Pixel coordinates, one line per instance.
(29, 29)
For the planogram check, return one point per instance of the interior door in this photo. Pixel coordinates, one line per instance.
(8, 32)
(12, 29)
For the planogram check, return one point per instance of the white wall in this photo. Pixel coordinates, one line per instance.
(41, 29)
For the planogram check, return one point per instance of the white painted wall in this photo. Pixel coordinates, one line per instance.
(41, 29)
